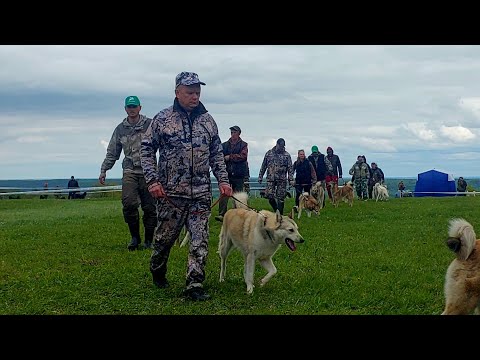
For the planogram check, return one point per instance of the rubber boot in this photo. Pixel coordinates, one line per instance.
(148, 238)
(273, 203)
(281, 205)
(135, 232)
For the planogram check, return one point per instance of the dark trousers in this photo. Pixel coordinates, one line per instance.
(135, 193)
(299, 189)
(237, 185)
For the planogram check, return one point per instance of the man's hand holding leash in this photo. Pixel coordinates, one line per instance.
(225, 189)
(156, 190)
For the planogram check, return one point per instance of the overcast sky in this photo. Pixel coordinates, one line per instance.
(408, 108)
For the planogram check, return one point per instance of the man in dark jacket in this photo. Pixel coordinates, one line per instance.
(318, 161)
(333, 168)
(235, 152)
(186, 138)
(72, 183)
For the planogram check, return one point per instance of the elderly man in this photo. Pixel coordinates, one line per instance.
(186, 138)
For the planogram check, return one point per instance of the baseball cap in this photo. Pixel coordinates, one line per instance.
(132, 100)
(187, 78)
(281, 142)
(236, 128)
(314, 148)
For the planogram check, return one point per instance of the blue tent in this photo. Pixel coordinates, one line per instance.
(435, 183)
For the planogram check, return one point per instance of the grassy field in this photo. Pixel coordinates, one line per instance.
(385, 258)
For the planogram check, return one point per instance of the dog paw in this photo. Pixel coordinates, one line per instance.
(250, 289)
(221, 280)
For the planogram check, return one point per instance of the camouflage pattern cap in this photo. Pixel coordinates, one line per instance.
(187, 78)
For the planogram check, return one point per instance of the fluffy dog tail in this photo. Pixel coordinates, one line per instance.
(461, 238)
(240, 200)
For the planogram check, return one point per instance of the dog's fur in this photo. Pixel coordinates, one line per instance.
(307, 203)
(344, 192)
(380, 192)
(462, 280)
(318, 192)
(258, 235)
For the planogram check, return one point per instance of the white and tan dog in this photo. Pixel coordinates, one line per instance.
(257, 235)
(318, 192)
(307, 203)
(380, 192)
(462, 280)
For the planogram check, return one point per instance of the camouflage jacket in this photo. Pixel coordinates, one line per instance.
(277, 165)
(188, 147)
(359, 171)
(126, 137)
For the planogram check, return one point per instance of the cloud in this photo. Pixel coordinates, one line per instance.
(457, 134)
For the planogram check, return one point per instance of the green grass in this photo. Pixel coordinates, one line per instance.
(70, 257)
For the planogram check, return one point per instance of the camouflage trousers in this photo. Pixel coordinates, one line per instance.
(276, 189)
(361, 188)
(135, 193)
(173, 214)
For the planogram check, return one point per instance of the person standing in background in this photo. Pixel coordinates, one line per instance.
(461, 185)
(72, 183)
(127, 136)
(377, 177)
(360, 175)
(333, 170)
(278, 165)
(305, 175)
(235, 152)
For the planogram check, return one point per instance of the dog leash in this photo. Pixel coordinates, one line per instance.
(194, 212)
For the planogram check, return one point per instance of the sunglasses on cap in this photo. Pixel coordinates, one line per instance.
(132, 106)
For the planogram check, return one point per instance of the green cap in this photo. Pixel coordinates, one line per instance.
(132, 100)
(314, 148)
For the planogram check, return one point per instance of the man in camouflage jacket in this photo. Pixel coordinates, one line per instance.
(186, 138)
(278, 164)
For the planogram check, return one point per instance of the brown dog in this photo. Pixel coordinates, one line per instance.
(462, 281)
(308, 203)
(344, 192)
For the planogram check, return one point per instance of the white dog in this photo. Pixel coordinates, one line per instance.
(380, 192)
(258, 235)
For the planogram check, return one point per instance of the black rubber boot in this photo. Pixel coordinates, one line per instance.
(148, 238)
(273, 203)
(135, 232)
(281, 205)
(159, 280)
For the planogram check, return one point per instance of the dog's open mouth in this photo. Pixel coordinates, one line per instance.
(290, 244)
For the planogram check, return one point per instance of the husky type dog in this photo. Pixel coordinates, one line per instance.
(308, 203)
(462, 280)
(257, 235)
(344, 192)
(380, 192)
(318, 192)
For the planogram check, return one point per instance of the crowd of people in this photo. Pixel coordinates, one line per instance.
(167, 165)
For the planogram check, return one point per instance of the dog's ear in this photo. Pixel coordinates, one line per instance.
(278, 217)
(291, 214)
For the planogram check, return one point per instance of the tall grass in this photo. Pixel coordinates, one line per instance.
(70, 257)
